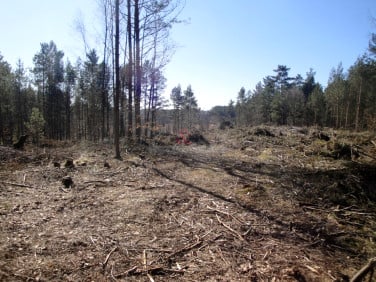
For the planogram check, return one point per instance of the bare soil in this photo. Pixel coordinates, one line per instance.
(248, 206)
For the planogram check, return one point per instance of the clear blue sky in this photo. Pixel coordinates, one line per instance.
(228, 43)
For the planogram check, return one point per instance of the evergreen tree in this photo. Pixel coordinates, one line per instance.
(6, 106)
(190, 107)
(361, 80)
(316, 107)
(49, 78)
(178, 102)
(35, 125)
(20, 99)
(241, 108)
(70, 81)
(334, 95)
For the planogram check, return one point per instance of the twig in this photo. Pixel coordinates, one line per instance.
(149, 250)
(159, 269)
(350, 223)
(229, 228)
(314, 243)
(64, 190)
(108, 257)
(26, 278)
(144, 259)
(18, 184)
(362, 152)
(247, 232)
(150, 277)
(97, 181)
(128, 272)
(369, 267)
(185, 249)
(311, 268)
(149, 271)
(112, 273)
(225, 213)
(222, 257)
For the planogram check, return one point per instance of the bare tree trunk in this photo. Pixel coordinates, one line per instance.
(153, 113)
(68, 115)
(129, 73)
(122, 109)
(337, 113)
(104, 94)
(358, 107)
(117, 83)
(347, 114)
(137, 98)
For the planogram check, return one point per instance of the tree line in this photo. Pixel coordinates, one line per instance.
(348, 101)
(115, 91)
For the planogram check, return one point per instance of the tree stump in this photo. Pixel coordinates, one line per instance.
(69, 163)
(19, 145)
(67, 181)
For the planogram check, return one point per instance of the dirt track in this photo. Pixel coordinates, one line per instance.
(245, 208)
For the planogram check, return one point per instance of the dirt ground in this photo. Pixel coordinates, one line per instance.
(257, 204)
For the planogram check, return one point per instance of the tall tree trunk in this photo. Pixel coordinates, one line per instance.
(137, 97)
(358, 106)
(347, 114)
(122, 109)
(68, 114)
(104, 93)
(337, 113)
(117, 83)
(130, 72)
(153, 112)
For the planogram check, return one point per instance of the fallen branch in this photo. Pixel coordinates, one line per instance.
(185, 249)
(150, 277)
(64, 190)
(108, 257)
(230, 229)
(151, 271)
(159, 269)
(149, 250)
(225, 213)
(362, 152)
(18, 184)
(368, 268)
(96, 181)
(126, 273)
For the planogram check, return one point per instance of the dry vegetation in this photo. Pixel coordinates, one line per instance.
(257, 204)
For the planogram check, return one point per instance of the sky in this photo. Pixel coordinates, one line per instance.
(222, 46)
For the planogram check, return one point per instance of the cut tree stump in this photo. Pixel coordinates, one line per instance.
(69, 163)
(67, 181)
(19, 145)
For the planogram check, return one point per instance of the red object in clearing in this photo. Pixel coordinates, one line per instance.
(183, 138)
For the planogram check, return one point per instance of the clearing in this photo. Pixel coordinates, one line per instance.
(257, 204)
